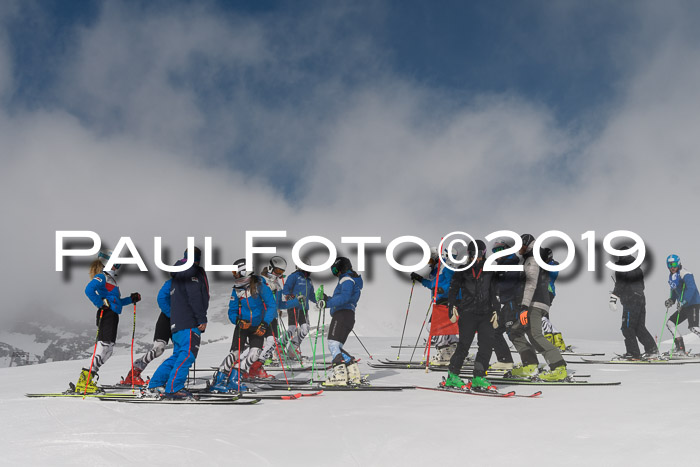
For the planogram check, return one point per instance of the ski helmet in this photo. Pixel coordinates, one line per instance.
(502, 243)
(434, 256)
(478, 250)
(447, 258)
(242, 271)
(547, 255)
(341, 265)
(528, 242)
(278, 264)
(673, 261)
(104, 256)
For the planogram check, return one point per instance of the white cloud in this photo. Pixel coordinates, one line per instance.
(385, 157)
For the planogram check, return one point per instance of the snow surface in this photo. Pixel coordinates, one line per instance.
(652, 419)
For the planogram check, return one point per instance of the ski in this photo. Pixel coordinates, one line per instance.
(214, 401)
(468, 391)
(100, 395)
(569, 381)
(638, 362)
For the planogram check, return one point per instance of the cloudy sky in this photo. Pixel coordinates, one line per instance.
(346, 118)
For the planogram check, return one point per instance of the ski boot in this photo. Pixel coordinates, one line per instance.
(354, 376)
(479, 383)
(550, 337)
(85, 379)
(339, 376)
(294, 353)
(652, 355)
(453, 381)
(256, 370)
(219, 383)
(134, 377)
(679, 345)
(439, 358)
(524, 371)
(505, 366)
(629, 356)
(559, 342)
(232, 384)
(182, 394)
(557, 374)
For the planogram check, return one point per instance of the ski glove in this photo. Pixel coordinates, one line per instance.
(669, 302)
(243, 324)
(523, 316)
(494, 319)
(453, 314)
(613, 302)
(261, 329)
(416, 277)
(135, 297)
(319, 293)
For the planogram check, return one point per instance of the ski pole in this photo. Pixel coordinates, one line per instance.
(313, 362)
(363, 345)
(279, 355)
(97, 337)
(678, 317)
(133, 333)
(430, 307)
(658, 342)
(323, 345)
(413, 284)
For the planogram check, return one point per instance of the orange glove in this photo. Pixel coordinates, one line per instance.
(243, 324)
(523, 317)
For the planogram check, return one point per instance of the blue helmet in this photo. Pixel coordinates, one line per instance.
(673, 261)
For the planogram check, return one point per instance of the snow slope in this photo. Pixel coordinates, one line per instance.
(652, 419)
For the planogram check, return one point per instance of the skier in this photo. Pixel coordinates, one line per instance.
(445, 345)
(534, 305)
(271, 275)
(103, 292)
(298, 283)
(252, 308)
(189, 302)
(160, 338)
(629, 290)
(509, 289)
(684, 291)
(476, 311)
(551, 333)
(342, 307)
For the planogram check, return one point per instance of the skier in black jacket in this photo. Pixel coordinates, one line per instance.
(629, 291)
(509, 286)
(477, 312)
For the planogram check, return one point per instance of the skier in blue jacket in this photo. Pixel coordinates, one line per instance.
(445, 345)
(299, 284)
(271, 276)
(342, 307)
(189, 302)
(252, 308)
(160, 338)
(684, 292)
(103, 292)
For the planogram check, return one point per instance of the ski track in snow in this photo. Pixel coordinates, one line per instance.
(650, 420)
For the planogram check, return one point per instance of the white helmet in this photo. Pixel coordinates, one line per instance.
(277, 262)
(104, 256)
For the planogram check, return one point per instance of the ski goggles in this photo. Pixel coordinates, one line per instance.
(673, 264)
(279, 272)
(497, 249)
